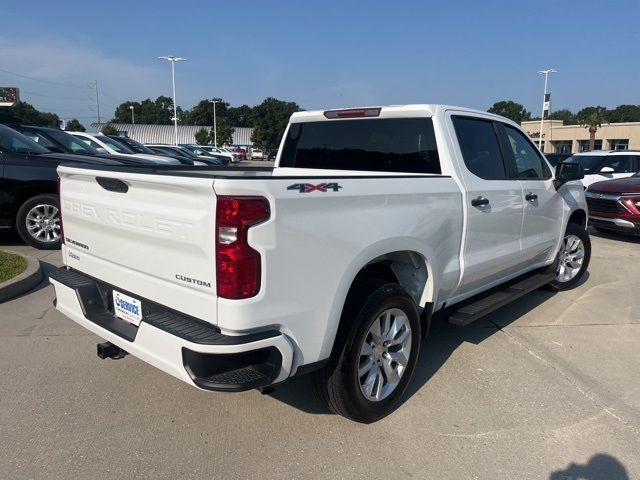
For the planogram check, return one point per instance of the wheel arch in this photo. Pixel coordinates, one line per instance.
(578, 217)
(411, 266)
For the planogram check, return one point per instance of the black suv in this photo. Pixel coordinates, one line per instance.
(28, 187)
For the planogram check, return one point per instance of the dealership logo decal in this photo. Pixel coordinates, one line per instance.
(310, 187)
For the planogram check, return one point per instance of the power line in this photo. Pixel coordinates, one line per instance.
(52, 96)
(40, 79)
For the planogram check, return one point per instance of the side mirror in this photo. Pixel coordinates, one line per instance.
(607, 170)
(566, 172)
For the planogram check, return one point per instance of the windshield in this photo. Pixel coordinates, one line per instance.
(137, 147)
(588, 162)
(117, 146)
(72, 143)
(12, 141)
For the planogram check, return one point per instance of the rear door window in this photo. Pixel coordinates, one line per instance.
(480, 147)
(404, 145)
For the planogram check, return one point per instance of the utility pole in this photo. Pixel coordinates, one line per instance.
(215, 126)
(95, 86)
(545, 102)
(173, 59)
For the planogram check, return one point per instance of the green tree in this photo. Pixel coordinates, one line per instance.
(592, 119)
(269, 120)
(224, 130)
(155, 112)
(240, 116)
(510, 109)
(202, 136)
(74, 125)
(27, 114)
(567, 116)
(109, 129)
(202, 113)
(624, 113)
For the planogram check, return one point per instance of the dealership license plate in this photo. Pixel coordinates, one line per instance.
(127, 308)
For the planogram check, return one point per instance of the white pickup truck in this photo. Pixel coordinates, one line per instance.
(334, 261)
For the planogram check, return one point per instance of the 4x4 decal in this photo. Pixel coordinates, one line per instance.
(309, 187)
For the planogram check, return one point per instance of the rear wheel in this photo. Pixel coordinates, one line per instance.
(38, 222)
(573, 258)
(369, 373)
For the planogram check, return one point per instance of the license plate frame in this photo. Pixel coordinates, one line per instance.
(127, 308)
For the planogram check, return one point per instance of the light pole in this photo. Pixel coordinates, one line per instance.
(215, 126)
(544, 101)
(173, 59)
(133, 116)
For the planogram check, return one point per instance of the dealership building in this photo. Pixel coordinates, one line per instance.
(560, 138)
(165, 134)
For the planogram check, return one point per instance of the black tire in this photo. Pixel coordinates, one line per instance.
(580, 232)
(21, 221)
(338, 383)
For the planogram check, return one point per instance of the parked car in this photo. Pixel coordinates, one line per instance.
(210, 149)
(332, 262)
(186, 153)
(201, 151)
(256, 154)
(602, 165)
(106, 144)
(614, 205)
(555, 158)
(55, 140)
(137, 147)
(28, 187)
(242, 152)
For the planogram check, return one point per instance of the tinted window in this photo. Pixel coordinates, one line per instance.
(72, 143)
(527, 159)
(589, 162)
(480, 147)
(136, 147)
(378, 145)
(38, 138)
(117, 146)
(619, 163)
(12, 141)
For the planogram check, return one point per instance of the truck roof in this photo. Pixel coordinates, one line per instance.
(388, 111)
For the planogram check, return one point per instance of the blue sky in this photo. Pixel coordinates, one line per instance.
(322, 54)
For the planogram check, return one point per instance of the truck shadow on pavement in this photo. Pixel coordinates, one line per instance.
(599, 467)
(442, 341)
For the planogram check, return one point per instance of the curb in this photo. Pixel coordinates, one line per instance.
(24, 282)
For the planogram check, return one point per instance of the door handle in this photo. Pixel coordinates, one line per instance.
(531, 197)
(480, 202)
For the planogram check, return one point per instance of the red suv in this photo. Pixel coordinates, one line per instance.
(614, 205)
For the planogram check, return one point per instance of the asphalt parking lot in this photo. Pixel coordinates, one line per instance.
(546, 388)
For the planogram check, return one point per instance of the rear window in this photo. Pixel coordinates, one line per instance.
(380, 145)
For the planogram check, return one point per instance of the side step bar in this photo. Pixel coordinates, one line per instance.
(478, 308)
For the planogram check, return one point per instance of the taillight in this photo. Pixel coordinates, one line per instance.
(237, 264)
(60, 211)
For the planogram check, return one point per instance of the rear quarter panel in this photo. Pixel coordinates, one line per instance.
(315, 243)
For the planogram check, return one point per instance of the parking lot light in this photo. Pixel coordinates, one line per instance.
(544, 101)
(173, 59)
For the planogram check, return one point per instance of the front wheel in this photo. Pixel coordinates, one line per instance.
(573, 258)
(367, 376)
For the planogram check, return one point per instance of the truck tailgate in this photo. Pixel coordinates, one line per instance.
(151, 235)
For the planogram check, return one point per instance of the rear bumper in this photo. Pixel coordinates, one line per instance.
(615, 224)
(187, 348)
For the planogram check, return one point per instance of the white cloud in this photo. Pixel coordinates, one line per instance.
(75, 66)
